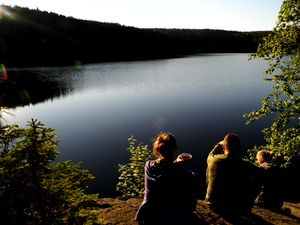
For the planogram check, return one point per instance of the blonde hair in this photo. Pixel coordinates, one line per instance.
(164, 145)
(266, 155)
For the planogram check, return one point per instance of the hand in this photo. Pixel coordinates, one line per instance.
(219, 148)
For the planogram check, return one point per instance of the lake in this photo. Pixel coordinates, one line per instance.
(96, 108)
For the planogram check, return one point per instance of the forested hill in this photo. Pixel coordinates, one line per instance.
(38, 38)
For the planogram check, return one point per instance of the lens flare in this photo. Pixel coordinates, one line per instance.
(3, 72)
(4, 12)
(1, 12)
(77, 64)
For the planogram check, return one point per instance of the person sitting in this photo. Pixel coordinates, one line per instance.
(170, 188)
(270, 195)
(231, 184)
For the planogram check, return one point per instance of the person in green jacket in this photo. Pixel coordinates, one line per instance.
(231, 184)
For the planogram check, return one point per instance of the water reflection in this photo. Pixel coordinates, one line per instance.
(24, 87)
(97, 107)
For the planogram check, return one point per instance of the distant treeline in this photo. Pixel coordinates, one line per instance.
(38, 38)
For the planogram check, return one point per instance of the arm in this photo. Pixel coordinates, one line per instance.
(211, 181)
(214, 156)
(217, 150)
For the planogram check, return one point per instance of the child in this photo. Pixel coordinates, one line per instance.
(270, 195)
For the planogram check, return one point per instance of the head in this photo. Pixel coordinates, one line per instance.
(164, 146)
(263, 156)
(231, 144)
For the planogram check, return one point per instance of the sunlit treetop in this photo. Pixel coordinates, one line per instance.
(281, 49)
(285, 38)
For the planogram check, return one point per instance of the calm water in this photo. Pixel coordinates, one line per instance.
(97, 107)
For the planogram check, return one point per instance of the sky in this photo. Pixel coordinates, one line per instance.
(238, 15)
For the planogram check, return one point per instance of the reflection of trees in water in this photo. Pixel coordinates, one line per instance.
(31, 87)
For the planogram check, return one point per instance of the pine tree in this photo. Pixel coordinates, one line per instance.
(35, 188)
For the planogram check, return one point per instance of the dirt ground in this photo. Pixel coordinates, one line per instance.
(115, 211)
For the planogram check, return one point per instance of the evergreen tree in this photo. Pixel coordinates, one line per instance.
(35, 189)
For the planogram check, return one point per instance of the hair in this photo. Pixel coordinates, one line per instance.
(164, 145)
(232, 142)
(266, 155)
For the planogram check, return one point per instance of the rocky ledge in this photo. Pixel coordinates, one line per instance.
(115, 211)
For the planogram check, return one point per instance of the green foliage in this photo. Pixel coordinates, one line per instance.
(36, 190)
(281, 49)
(131, 179)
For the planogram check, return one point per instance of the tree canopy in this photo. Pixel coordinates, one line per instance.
(281, 49)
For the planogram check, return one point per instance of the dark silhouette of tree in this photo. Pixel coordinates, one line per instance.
(38, 38)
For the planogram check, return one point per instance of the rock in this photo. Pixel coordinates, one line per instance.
(294, 208)
(122, 212)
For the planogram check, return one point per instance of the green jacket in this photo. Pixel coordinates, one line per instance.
(231, 182)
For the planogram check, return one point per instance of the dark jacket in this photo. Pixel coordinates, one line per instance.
(170, 193)
(271, 193)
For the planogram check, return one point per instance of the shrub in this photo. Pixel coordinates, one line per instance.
(131, 179)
